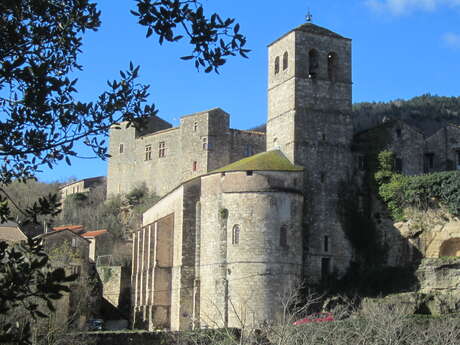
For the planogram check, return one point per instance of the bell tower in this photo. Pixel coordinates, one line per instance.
(309, 119)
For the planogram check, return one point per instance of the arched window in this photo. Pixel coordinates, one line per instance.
(277, 65)
(332, 64)
(285, 61)
(283, 236)
(236, 234)
(313, 64)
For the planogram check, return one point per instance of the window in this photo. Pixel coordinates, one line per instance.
(120, 149)
(249, 173)
(325, 267)
(283, 236)
(148, 152)
(398, 165)
(74, 243)
(194, 166)
(162, 149)
(248, 150)
(285, 61)
(236, 234)
(323, 136)
(205, 143)
(362, 163)
(322, 176)
(277, 65)
(398, 132)
(332, 63)
(428, 162)
(326, 244)
(458, 160)
(195, 126)
(313, 64)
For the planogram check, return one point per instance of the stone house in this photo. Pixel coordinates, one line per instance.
(70, 251)
(11, 232)
(81, 186)
(246, 214)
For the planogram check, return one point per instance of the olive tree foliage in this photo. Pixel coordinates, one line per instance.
(41, 117)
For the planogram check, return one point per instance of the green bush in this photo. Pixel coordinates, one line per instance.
(422, 192)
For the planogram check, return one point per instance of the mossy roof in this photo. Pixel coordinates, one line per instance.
(273, 160)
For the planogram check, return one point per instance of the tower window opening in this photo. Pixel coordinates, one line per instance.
(313, 64)
(322, 176)
(249, 173)
(236, 234)
(283, 236)
(194, 166)
(326, 244)
(277, 65)
(205, 143)
(121, 148)
(195, 126)
(285, 61)
(332, 65)
(398, 133)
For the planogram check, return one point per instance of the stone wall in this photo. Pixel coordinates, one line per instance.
(116, 287)
(242, 280)
(163, 159)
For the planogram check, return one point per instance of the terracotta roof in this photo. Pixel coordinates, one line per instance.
(94, 233)
(68, 227)
(48, 234)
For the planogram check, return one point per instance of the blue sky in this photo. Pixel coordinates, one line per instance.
(401, 49)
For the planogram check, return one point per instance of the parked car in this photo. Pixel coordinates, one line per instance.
(317, 317)
(95, 325)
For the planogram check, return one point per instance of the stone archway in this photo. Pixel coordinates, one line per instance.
(450, 247)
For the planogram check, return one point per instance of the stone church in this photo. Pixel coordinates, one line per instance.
(244, 214)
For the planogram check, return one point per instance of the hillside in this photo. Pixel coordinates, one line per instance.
(427, 112)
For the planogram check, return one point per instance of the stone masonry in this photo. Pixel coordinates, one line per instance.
(237, 226)
(162, 157)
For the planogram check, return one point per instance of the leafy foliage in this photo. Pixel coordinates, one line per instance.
(213, 38)
(418, 108)
(423, 191)
(120, 215)
(26, 280)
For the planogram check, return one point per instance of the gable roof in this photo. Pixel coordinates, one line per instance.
(94, 233)
(273, 160)
(76, 228)
(11, 232)
(51, 233)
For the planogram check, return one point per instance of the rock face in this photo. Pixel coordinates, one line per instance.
(439, 284)
(438, 292)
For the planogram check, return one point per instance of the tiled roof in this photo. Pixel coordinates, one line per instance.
(94, 233)
(11, 232)
(69, 227)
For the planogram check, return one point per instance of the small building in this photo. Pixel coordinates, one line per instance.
(11, 232)
(82, 186)
(101, 243)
